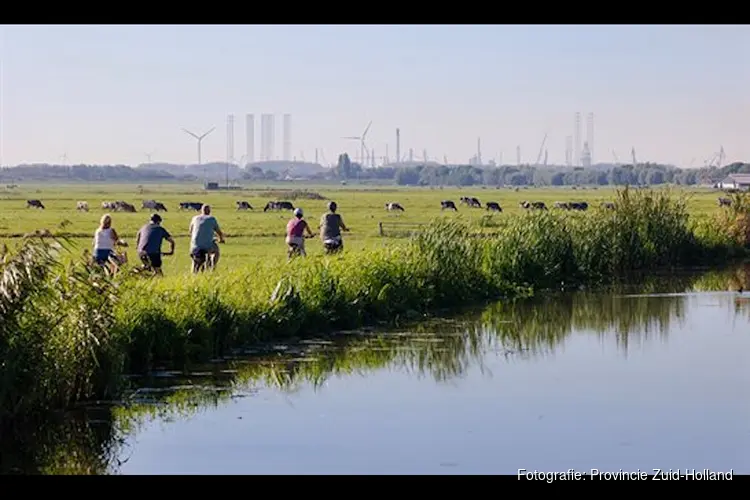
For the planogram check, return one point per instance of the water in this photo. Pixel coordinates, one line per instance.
(637, 378)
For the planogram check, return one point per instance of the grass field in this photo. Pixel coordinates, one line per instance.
(256, 235)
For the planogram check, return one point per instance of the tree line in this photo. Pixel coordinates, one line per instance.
(408, 175)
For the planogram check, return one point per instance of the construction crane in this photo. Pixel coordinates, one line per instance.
(541, 150)
(717, 157)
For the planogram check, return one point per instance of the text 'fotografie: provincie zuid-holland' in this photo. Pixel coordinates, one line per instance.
(638, 475)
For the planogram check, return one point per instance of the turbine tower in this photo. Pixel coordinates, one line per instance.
(577, 139)
(590, 136)
(362, 147)
(230, 138)
(287, 133)
(199, 139)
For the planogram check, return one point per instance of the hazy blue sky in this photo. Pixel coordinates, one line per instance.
(110, 94)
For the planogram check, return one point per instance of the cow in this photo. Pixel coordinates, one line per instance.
(471, 201)
(494, 206)
(190, 205)
(448, 204)
(153, 205)
(243, 205)
(35, 204)
(82, 206)
(725, 202)
(562, 205)
(118, 206)
(123, 206)
(536, 205)
(579, 205)
(278, 205)
(608, 205)
(391, 206)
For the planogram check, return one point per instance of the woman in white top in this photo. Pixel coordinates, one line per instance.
(105, 239)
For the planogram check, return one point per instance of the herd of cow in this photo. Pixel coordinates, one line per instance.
(493, 206)
(122, 206)
(153, 205)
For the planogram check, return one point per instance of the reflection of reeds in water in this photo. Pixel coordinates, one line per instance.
(735, 279)
(441, 349)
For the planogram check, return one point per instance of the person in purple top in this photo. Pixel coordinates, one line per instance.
(295, 230)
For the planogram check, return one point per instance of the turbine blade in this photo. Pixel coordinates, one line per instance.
(366, 130)
(189, 132)
(204, 135)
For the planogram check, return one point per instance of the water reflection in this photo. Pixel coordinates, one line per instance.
(91, 442)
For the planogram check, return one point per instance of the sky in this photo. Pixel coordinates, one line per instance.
(115, 94)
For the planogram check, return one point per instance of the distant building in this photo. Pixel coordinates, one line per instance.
(736, 181)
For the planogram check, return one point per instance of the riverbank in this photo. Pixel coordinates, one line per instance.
(69, 334)
(629, 318)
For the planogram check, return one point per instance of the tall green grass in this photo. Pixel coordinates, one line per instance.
(70, 333)
(91, 442)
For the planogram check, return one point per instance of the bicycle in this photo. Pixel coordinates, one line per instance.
(332, 246)
(146, 265)
(295, 250)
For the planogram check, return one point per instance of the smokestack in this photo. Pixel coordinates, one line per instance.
(518, 155)
(411, 155)
(250, 138)
(267, 139)
(398, 145)
(569, 151)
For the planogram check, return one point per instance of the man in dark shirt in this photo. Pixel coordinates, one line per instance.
(148, 243)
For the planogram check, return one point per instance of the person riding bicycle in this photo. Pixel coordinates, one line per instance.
(295, 229)
(331, 225)
(148, 243)
(203, 248)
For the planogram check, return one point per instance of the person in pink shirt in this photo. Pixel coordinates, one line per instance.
(295, 230)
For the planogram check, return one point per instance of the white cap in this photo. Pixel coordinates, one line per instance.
(298, 212)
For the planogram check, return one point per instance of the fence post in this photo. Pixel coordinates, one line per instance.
(380, 228)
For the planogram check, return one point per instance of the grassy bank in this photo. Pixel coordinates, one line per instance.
(95, 440)
(69, 333)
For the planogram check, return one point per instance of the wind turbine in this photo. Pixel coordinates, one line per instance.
(198, 138)
(362, 147)
(148, 156)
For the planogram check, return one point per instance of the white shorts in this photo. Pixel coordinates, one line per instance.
(296, 240)
(332, 240)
